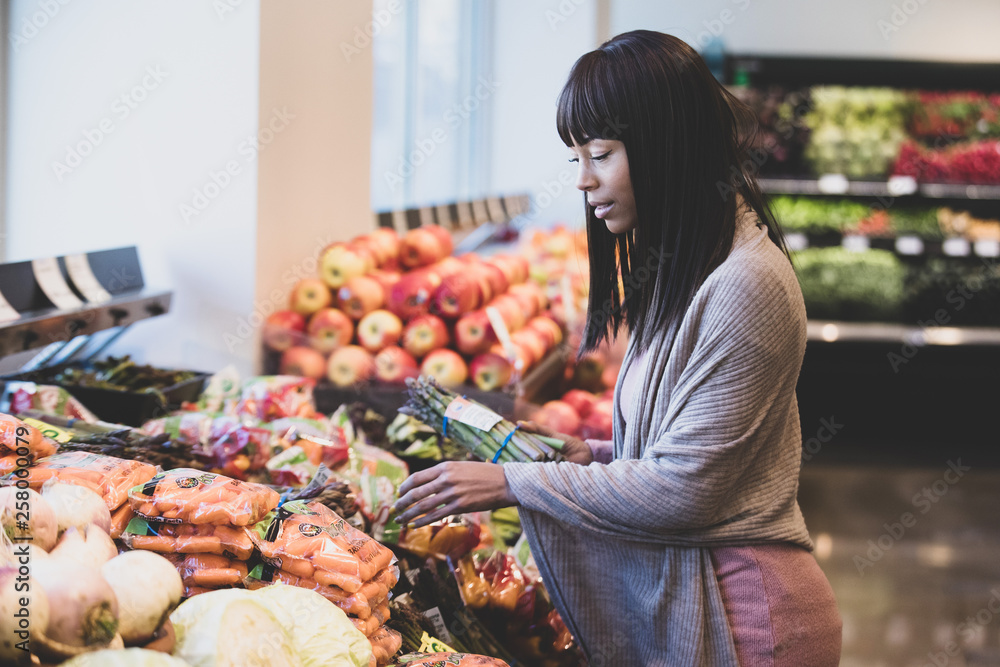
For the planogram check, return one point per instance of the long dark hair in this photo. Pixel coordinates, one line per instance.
(689, 146)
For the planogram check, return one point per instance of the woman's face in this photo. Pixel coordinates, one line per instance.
(603, 174)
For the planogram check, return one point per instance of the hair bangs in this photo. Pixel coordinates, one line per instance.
(585, 108)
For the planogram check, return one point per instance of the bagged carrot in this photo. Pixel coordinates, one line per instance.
(188, 538)
(313, 537)
(211, 571)
(385, 644)
(186, 495)
(361, 605)
(120, 519)
(108, 476)
(16, 434)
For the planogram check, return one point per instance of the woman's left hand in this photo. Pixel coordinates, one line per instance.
(452, 487)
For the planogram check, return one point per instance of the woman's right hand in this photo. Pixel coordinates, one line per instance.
(574, 449)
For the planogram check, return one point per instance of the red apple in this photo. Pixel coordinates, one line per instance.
(394, 365)
(532, 290)
(528, 304)
(367, 252)
(510, 310)
(470, 258)
(496, 278)
(360, 296)
(597, 426)
(581, 401)
(445, 366)
(510, 271)
(302, 361)
(473, 333)
(338, 263)
(420, 247)
(350, 365)
(481, 274)
(456, 295)
(309, 295)
(385, 278)
(448, 266)
(423, 334)
(521, 359)
(329, 329)
(443, 237)
(491, 371)
(558, 416)
(379, 329)
(387, 239)
(548, 328)
(532, 342)
(610, 375)
(282, 329)
(411, 296)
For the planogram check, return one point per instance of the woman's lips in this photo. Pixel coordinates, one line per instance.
(601, 210)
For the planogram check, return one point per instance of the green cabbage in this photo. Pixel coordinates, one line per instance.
(279, 625)
(129, 657)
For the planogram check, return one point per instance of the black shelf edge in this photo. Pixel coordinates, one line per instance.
(827, 331)
(862, 188)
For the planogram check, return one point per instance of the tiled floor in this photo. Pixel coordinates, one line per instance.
(914, 559)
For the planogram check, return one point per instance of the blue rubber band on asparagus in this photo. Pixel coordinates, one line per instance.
(505, 441)
(444, 425)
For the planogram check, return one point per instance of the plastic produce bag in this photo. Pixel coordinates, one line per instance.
(16, 435)
(188, 538)
(128, 657)
(271, 397)
(185, 495)
(108, 476)
(385, 644)
(313, 542)
(450, 659)
(361, 604)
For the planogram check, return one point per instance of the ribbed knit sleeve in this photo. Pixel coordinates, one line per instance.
(745, 336)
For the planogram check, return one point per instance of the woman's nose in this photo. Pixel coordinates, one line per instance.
(585, 179)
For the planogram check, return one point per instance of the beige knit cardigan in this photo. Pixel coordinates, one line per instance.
(710, 456)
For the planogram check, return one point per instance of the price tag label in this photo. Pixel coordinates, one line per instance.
(909, 245)
(956, 247)
(83, 277)
(437, 620)
(988, 248)
(7, 312)
(569, 302)
(472, 414)
(901, 185)
(50, 279)
(832, 184)
(796, 241)
(430, 644)
(856, 243)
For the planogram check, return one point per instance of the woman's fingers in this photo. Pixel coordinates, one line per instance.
(416, 493)
(423, 506)
(532, 427)
(446, 510)
(419, 479)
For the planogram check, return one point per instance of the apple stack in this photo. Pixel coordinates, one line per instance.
(560, 265)
(580, 413)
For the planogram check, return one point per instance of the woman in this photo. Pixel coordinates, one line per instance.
(681, 541)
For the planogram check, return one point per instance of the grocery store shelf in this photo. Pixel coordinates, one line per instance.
(836, 184)
(41, 329)
(906, 244)
(879, 332)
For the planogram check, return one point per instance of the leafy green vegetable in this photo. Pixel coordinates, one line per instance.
(129, 657)
(843, 285)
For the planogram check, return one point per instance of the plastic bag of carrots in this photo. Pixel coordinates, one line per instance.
(385, 644)
(108, 476)
(201, 573)
(16, 435)
(371, 625)
(188, 538)
(186, 495)
(361, 605)
(120, 519)
(313, 542)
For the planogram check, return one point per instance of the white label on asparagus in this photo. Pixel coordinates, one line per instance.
(50, 279)
(472, 414)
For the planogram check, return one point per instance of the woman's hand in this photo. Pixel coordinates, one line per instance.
(575, 449)
(450, 488)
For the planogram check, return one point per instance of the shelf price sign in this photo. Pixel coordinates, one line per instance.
(83, 277)
(50, 279)
(956, 247)
(909, 245)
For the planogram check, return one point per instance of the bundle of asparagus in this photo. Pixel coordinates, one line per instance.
(503, 443)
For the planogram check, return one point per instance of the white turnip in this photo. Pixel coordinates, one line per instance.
(92, 547)
(20, 623)
(83, 608)
(27, 516)
(147, 587)
(76, 506)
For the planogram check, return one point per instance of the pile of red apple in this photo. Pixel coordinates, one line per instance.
(388, 308)
(579, 413)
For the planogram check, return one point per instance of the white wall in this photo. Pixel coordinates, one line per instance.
(536, 44)
(953, 30)
(65, 78)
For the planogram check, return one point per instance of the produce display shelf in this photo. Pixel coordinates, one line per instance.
(907, 245)
(43, 328)
(878, 332)
(834, 184)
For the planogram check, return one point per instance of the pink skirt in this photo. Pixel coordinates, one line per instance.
(781, 609)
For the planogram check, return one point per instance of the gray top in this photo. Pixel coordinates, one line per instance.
(709, 456)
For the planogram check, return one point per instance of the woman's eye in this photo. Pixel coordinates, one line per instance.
(601, 156)
(573, 159)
